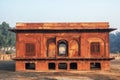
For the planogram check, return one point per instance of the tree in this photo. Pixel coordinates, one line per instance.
(7, 38)
(115, 42)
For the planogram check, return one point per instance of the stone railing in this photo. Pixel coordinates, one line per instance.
(6, 56)
(116, 56)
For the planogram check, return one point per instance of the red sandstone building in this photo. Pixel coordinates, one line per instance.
(62, 46)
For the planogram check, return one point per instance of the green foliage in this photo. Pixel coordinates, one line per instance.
(8, 52)
(7, 38)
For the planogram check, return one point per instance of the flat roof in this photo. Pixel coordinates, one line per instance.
(64, 25)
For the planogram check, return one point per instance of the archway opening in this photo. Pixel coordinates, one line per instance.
(62, 48)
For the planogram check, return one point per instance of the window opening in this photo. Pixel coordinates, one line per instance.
(95, 47)
(73, 66)
(95, 66)
(51, 66)
(62, 66)
(30, 66)
(30, 49)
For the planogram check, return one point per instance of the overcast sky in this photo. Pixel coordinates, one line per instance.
(13, 11)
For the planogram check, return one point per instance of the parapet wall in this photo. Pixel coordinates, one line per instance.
(82, 25)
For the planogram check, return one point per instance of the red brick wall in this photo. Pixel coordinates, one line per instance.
(20, 66)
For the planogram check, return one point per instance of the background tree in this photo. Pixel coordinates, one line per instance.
(115, 42)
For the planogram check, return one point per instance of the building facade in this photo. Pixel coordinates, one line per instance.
(62, 46)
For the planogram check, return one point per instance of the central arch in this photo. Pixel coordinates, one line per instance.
(62, 48)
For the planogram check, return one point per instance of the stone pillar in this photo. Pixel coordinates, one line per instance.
(68, 66)
(56, 66)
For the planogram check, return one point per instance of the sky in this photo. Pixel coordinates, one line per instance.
(13, 11)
